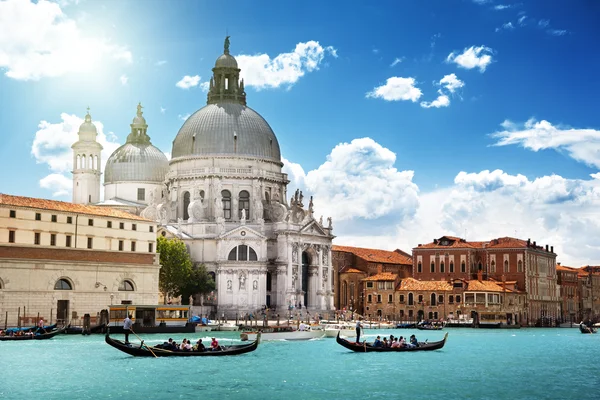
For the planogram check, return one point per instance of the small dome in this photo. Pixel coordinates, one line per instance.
(87, 130)
(136, 162)
(139, 121)
(226, 129)
(226, 61)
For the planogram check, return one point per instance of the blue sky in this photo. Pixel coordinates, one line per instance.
(406, 120)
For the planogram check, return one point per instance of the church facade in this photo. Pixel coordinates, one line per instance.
(224, 194)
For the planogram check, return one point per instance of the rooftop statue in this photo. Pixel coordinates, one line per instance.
(226, 46)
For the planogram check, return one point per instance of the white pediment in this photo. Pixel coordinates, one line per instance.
(313, 228)
(241, 233)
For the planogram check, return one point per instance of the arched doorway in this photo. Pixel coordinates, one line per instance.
(305, 263)
(420, 315)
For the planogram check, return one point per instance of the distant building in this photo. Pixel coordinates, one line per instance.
(63, 260)
(567, 279)
(589, 293)
(353, 264)
(531, 267)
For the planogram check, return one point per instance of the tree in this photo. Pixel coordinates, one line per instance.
(176, 266)
(199, 282)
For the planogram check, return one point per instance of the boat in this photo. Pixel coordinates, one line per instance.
(78, 330)
(284, 333)
(586, 329)
(496, 320)
(143, 350)
(34, 336)
(430, 327)
(406, 325)
(365, 347)
(331, 330)
(228, 327)
(31, 329)
(162, 318)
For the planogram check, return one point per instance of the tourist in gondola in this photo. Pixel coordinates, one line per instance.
(378, 342)
(200, 346)
(127, 323)
(214, 345)
(413, 341)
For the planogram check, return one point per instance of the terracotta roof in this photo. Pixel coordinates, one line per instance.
(566, 268)
(413, 284)
(350, 270)
(485, 286)
(382, 276)
(53, 205)
(375, 255)
(456, 243)
(507, 243)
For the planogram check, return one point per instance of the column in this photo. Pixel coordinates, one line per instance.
(320, 289)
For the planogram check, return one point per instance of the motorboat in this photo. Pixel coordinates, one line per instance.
(228, 326)
(345, 329)
(288, 333)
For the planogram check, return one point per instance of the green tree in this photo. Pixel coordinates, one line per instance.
(176, 266)
(199, 282)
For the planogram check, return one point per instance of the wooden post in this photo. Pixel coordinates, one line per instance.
(19, 318)
(38, 318)
(6, 321)
(50, 323)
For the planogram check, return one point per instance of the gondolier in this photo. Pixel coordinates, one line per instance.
(127, 322)
(359, 326)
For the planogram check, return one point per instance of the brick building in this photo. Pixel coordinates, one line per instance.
(531, 267)
(589, 293)
(568, 281)
(63, 260)
(352, 264)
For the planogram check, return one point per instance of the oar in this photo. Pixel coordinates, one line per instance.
(141, 340)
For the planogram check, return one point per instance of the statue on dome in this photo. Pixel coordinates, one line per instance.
(329, 223)
(311, 206)
(226, 45)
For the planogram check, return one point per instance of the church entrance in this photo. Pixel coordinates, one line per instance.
(305, 262)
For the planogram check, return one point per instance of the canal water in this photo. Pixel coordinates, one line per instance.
(474, 364)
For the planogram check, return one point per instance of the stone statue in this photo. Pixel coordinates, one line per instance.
(226, 45)
(179, 221)
(242, 281)
(243, 217)
(329, 223)
(311, 206)
(321, 221)
(255, 285)
(229, 284)
(300, 199)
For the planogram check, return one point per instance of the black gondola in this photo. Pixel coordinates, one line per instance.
(142, 350)
(367, 347)
(78, 330)
(41, 336)
(430, 327)
(586, 329)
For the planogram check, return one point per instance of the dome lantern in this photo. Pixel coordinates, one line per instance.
(225, 83)
(87, 130)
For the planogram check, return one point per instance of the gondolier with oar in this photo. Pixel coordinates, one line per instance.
(359, 326)
(127, 323)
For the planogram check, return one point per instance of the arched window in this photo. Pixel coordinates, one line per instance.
(493, 267)
(126, 286)
(520, 266)
(63, 284)
(186, 203)
(244, 204)
(78, 162)
(432, 269)
(505, 265)
(242, 253)
(432, 299)
(420, 298)
(226, 195)
(451, 267)
(212, 275)
(83, 161)
(450, 299)
(91, 162)
(202, 194)
(267, 197)
(463, 267)
(442, 267)
(411, 300)
(419, 267)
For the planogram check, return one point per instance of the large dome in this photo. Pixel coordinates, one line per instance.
(226, 128)
(136, 162)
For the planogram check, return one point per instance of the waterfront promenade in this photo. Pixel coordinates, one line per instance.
(477, 364)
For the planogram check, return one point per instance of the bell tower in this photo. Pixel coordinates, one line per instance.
(225, 84)
(86, 164)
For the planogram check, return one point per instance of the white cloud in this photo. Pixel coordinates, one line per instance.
(261, 71)
(543, 23)
(500, 7)
(507, 27)
(358, 181)
(59, 184)
(397, 61)
(582, 145)
(557, 32)
(441, 101)
(162, 110)
(205, 86)
(396, 89)
(52, 146)
(472, 57)
(124, 79)
(160, 63)
(188, 81)
(38, 40)
(522, 20)
(451, 83)
(183, 117)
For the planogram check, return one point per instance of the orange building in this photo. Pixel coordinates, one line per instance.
(567, 278)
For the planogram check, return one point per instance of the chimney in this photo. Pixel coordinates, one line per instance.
(546, 247)
(551, 249)
(419, 245)
(528, 242)
(434, 241)
(480, 275)
(558, 262)
(534, 245)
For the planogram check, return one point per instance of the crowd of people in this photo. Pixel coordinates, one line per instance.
(186, 345)
(394, 342)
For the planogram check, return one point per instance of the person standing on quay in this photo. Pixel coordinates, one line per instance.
(359, 326)
(127, 322)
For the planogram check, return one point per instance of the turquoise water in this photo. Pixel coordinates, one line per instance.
(474, 364)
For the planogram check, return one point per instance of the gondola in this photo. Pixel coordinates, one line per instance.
(367, 347)
(78, 330)
(586, 329)
(40, 336)
(142, 350)
(26, 329)
(430, 327)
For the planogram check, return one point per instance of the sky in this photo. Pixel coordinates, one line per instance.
(405, 120)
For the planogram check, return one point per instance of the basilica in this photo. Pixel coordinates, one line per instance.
(224, 194)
